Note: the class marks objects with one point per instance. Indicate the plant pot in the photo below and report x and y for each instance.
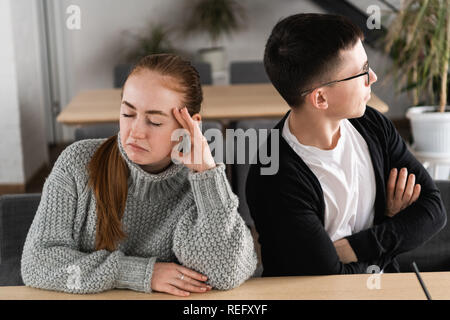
(215, 57)
(430, 130)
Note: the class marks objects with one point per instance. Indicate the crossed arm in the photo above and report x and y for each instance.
(402, 191)
(292, 236)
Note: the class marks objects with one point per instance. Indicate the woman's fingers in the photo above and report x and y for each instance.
(186, 286)
(188, 120)
(175, 291)
(179, 117)
(191, 273)
(197, 283)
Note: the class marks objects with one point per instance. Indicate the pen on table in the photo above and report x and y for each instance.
(416, 270)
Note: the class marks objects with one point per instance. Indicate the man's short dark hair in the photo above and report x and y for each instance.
(303, 49)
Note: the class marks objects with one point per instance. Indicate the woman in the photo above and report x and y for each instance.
(119, 213)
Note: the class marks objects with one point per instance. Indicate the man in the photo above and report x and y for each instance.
(348, 194)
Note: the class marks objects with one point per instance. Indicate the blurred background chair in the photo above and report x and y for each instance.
(204, 70)
(16, 215)
(248, 72)
(121, 72)
(240, 171)
(434, 255)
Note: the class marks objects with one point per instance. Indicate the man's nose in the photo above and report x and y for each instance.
(372, 76)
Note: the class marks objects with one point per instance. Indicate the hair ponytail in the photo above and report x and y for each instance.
(108, 178)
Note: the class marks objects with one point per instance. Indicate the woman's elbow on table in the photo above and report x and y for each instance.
(234, 276)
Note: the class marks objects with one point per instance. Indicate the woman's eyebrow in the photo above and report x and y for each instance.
(147, 112)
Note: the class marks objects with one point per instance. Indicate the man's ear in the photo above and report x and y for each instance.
(318, 99)
(197, 117)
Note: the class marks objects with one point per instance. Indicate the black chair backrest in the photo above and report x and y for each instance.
(240, 171)
(121, 72)
(248, 72)
(16, 215)
(205, 72)
(434, 255)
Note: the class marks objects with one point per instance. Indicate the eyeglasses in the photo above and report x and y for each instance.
(366, 72)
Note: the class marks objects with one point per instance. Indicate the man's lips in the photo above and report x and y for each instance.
(135, 146)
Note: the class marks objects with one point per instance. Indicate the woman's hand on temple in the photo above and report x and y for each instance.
(177, 280)
(199, 157)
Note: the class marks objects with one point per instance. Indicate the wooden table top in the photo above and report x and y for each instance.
(228, 102)
(393, 286)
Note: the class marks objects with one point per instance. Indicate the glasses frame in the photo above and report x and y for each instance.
(367, 72)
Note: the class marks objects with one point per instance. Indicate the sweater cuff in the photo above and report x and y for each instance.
(135, 273)
(212, 190)
(364, 245)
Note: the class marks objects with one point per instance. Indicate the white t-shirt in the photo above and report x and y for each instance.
(347, 179)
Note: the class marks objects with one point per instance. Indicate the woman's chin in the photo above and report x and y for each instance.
(136, 159)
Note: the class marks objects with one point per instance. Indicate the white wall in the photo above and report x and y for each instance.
(30, 85)
(11, 160)
(23, 147)
(92, 52)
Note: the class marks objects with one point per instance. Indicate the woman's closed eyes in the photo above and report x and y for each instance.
(148, 121)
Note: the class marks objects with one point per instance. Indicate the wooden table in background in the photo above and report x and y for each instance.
(393, 286)
(229, 102)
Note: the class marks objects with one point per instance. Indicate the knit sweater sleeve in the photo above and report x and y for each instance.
(52, 258)
(211, 237)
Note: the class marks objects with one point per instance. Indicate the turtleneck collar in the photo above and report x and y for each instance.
(146, 186)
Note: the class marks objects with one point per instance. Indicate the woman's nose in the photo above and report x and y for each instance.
(138, 129)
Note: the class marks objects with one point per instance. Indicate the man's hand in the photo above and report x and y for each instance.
(345, 251)
(401, 193)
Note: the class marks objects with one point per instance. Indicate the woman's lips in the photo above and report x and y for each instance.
(135, 147)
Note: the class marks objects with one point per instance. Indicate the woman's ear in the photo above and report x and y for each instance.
(197, 117)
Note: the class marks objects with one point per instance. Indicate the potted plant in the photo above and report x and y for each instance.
(217, 18)
(418, 40)
(156, 41)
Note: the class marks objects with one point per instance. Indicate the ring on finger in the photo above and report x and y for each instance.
(182, 276)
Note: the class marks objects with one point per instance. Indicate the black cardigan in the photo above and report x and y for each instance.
(288, 209)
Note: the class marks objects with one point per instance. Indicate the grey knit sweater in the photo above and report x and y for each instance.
(175, 216)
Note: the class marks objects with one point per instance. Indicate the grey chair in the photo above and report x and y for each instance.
(434, 255)
(16, 215)
(121, 72)
(204, 70)
(240, 171)
(95, 131)
(248, 72)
